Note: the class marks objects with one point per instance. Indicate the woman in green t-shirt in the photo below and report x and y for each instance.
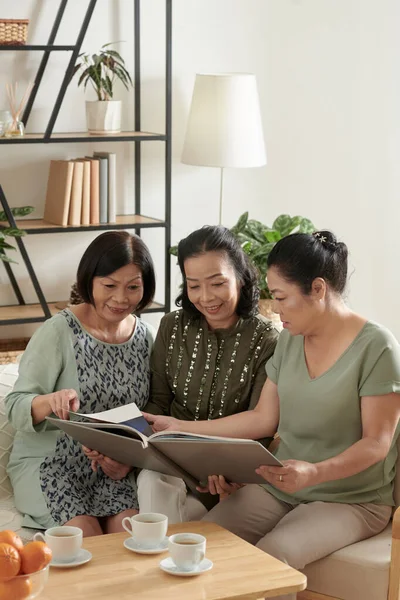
(332, 394)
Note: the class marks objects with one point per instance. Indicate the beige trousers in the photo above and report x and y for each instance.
(297, 534)
(168, 495)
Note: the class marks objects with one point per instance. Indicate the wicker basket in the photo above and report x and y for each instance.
(13, 32)
(11, 349)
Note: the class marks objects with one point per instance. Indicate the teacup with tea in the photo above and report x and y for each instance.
(187, 550)
(147, 529)
(65, 542)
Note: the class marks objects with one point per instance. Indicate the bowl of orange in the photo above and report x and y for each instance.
(24, 570)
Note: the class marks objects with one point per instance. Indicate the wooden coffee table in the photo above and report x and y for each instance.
(241, 572)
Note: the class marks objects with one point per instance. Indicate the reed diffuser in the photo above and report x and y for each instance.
(15, 127)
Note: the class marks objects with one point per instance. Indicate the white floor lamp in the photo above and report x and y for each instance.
(224, 127)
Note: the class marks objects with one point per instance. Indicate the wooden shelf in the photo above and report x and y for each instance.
(34, 313)
(38, 47)
(84, 136)
(38, 226)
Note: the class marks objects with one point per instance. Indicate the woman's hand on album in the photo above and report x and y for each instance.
(113, 469)
(61, 402)
(162, 423)
(292, 477)
(110, 467)
(93, 456)
(217, 485)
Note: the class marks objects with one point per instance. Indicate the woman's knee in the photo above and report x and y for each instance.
(287, 551)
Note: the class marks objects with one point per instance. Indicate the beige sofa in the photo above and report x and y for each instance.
(10, 518)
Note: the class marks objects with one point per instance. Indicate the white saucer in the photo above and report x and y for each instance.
(168, 565)
(83, 557)
(131, 544)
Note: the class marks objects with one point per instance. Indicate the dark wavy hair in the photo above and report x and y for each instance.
(215, 238)
(301, 257)
(109, 252)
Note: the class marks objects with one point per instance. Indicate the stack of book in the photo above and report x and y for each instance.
(82, 191)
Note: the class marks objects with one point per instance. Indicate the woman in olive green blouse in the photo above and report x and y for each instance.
(333, 395)
(209, 357)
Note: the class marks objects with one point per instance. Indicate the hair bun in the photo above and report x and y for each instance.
(326, 238)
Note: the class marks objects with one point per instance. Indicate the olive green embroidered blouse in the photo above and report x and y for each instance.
(198, 373)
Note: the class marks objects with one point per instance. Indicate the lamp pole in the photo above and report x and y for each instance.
(221, 191)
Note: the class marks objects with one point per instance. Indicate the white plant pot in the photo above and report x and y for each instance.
(103, 117)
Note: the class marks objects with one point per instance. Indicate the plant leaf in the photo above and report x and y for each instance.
(241, 224)
(174, 250)
(13, 232)
(6, 258)
(6, 245)
(284, 224)
(306, 226)
(272, 236)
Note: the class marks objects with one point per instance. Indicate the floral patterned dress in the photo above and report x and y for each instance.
(109, 375)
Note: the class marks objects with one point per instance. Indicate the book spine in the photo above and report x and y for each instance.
(76, 195)
(94, 192)
(85, 215)
(112, 187)
(103, 195)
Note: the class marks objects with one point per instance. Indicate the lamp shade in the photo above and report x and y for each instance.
(224, 127)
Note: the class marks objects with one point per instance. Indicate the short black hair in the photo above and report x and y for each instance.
(301, 257)
(109, 252)
(215, 238)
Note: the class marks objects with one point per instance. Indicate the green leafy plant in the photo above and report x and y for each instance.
(102, 70)
(12, 232)
(257, 240)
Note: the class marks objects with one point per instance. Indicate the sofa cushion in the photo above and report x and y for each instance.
(356, 572)
(8, 376)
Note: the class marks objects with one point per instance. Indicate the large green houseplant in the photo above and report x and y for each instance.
(11, 232)
(257, 240)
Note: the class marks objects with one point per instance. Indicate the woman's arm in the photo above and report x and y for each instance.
(379, 416)
(253, 424)
(33, 397)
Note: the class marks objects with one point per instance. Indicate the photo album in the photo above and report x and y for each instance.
(124, 434)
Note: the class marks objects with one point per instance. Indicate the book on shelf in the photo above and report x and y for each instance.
(103, 189)
(124, 435)
(58, 193)
(86, 180)
(94, 190)
(75, 207)
(111, 183)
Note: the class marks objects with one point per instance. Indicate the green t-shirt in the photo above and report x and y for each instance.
(321, 417)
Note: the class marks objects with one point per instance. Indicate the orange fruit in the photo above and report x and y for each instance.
(10, 537)
(18, 588)
(10, 560)
(35, 556)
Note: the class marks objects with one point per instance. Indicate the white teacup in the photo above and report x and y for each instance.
(187, 550)
(64, 542)
(148, 529)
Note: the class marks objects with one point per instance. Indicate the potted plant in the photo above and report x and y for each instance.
(102, 70)
(14, 232)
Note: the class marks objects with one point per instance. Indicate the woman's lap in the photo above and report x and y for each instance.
(297, 534)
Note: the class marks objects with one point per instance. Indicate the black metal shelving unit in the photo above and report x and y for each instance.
(22, 313)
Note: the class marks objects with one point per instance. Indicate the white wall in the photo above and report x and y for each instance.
(329, 91)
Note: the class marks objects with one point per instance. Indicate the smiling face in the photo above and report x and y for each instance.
(298, 312)
(117, 295)
(213, 288)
